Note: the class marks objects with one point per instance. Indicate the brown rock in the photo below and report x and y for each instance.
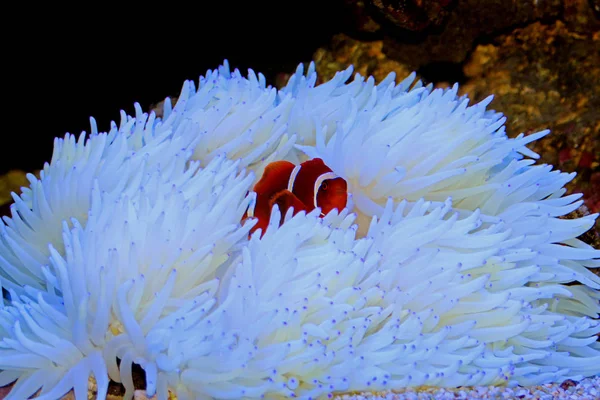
(419, 32)
(543, 76)
(591, 237)
(367, 58)
(582, 16)
(358, 18)
(567, 384)
(414, 15)
(595, 6)
(142, 395)
(11, 182)
(469, 21)
(547, 76)
(158, 108)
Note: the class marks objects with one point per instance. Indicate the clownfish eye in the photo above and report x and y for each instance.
(324, 185)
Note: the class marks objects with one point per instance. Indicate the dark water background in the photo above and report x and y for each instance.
(62, 66)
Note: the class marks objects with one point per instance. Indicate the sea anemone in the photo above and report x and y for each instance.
(450, 265)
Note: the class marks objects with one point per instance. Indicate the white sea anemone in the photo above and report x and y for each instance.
(142, 261)
(448, 267)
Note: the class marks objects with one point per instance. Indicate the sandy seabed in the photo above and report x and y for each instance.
(587, 389)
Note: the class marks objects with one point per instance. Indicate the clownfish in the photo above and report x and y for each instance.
(305, 187)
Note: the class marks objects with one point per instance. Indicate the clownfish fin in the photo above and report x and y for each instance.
(262, 213)
(274, 179)
(286, 199)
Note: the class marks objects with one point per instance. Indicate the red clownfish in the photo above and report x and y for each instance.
(306, 186)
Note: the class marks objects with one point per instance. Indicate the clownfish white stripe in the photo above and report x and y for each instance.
(319, 181)
(293, 176)
(251, 207)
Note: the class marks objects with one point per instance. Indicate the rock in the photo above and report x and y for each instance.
(582, 16)
(469, 21)
(12, 182)
(358, 18)
(595, 6)
(591, 237)
(367, 58)
(543, 76)
(547, 76)
(413, 15)
(158, 108)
